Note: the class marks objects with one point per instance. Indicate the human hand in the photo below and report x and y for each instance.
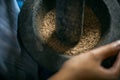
(87, 66)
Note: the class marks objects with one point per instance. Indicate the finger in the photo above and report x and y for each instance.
(113, 72)
(116, 66)
(106, 51)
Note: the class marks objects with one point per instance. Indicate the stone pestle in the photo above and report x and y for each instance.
(69, 20)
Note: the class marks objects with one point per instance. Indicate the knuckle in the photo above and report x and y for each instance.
(94, 56)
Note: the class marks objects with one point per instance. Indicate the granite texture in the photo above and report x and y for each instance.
(108, 12)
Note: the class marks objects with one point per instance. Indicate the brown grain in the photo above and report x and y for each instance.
(89, 39)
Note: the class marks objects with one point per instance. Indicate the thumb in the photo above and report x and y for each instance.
(116, 67)
(114, 72)
(106, 51)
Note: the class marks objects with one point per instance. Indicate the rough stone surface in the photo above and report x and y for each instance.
(107, 11)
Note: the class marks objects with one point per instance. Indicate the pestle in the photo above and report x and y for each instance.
(69, 20)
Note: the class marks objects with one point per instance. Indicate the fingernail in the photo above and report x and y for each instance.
(117, 44)
(118, 41)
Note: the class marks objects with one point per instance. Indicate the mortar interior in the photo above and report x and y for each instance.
(98, 7)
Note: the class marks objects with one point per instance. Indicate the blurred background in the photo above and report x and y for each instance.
(20, 3)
